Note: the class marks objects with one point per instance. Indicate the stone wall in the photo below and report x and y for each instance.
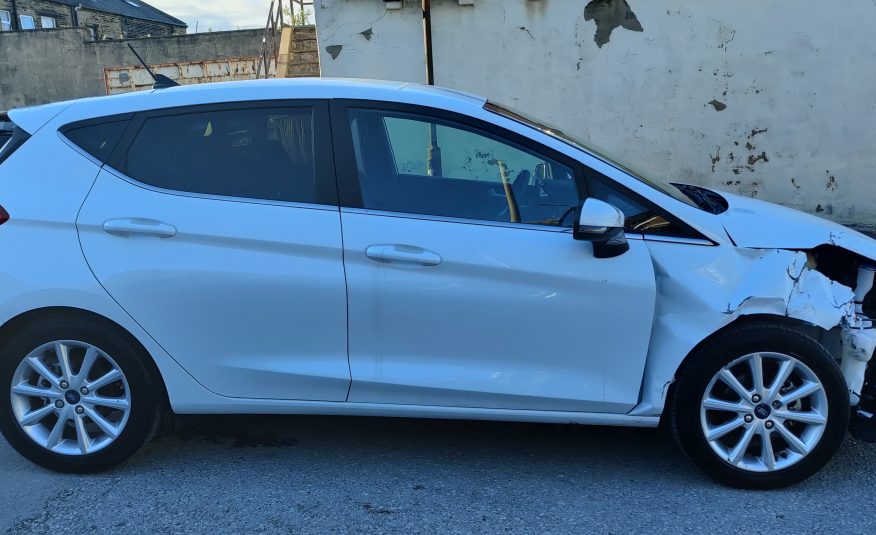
(104, 25)
(36, 8)
(299, 54)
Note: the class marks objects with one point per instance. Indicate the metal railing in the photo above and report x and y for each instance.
(273, 31)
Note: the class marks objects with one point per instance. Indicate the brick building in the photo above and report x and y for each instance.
(107, 19)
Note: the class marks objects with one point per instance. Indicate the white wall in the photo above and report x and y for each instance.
(797, 78)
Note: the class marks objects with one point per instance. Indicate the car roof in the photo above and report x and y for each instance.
(249, 90)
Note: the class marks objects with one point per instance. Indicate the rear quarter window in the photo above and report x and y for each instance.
(98, 139)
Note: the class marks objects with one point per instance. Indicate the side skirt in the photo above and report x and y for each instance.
(256, 406)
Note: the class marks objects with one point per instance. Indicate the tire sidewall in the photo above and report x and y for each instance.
(143, 390)
(706, 363)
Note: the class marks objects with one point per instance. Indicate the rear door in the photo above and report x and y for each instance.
(217, 229)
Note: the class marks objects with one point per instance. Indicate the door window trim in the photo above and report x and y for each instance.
(323, 148)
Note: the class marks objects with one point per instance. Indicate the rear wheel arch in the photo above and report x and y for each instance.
(8, 329)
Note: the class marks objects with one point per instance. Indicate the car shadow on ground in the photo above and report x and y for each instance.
(454, 444)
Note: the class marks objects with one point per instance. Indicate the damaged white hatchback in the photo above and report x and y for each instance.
(388, 249)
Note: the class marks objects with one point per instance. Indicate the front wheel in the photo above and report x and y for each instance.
(760, 406)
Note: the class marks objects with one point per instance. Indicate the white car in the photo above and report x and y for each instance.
(389, 249)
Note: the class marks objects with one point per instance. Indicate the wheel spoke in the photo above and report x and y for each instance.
(756, 365)
(714, 404)
(87, 362)
(741, 447)
(808, 417)
(105, 425)
(25, 389)
(730, 380)
(793, 440)
(37, 415)
(767, 455)
(82, 437)
(57, 431)
(113, 403)
(719, 431)
(785, 369)
(62, 352)
(806, 389)
(45, 373)
(107, 378)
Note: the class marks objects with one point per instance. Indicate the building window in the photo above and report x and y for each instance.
(48, 22)
(5, 21)
(26, 22)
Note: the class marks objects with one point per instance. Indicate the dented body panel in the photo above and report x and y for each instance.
(765, 270)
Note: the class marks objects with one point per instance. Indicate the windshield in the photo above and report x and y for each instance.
(659, 185)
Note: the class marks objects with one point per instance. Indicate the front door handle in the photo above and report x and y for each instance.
(139, 227)
(405, 254)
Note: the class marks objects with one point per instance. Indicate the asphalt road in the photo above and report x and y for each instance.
(339, 475)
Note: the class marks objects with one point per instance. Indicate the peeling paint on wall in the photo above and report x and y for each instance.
(610, 14)
(334, 50)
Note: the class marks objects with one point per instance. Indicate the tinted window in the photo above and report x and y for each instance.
(414, 164)
(253, 153)
(98, 140)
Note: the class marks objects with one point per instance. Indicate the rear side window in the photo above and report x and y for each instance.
(98, 140)
(252, 153)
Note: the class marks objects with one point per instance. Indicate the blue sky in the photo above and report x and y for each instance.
(217, 14)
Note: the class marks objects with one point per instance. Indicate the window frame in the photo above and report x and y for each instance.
(349, 188)
(324, 161)
(8, 21)
(50, 17)
(350, 194)
(21, 23)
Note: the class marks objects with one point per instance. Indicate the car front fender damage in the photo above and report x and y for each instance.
(703, 289)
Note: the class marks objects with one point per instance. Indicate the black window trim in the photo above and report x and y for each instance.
(324, 159)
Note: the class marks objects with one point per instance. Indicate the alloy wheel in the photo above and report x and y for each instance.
(70, 397)
(764, 412)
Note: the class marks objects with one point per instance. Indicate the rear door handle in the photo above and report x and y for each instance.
(405, 254)
(139, 227)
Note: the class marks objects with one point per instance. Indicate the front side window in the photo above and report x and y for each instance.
(252, 153)
(416, 164)
(26, 22)
(5, 21)
(48, 22)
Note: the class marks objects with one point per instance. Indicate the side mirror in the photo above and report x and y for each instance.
(603, 225)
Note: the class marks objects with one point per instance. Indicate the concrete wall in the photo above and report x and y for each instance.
(49, 65)
(769, 99)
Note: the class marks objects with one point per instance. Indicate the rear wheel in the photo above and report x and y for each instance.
(81, 397)
(760, 406)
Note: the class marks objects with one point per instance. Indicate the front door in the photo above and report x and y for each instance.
(217, 230)
(465, 287)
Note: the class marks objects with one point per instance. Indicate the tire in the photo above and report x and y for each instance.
(129, 428)
(777, 348)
